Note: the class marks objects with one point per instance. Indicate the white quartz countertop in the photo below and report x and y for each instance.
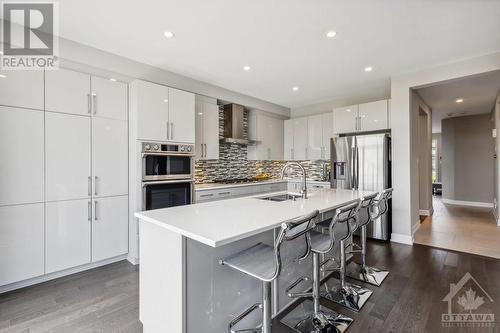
(222, 222)
(215, 186)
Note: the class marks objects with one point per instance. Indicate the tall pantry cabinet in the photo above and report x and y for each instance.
(75, 144)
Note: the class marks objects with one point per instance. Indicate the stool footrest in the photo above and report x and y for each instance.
(241, 316)
(329, 269)
(354, 252)
(295, 284)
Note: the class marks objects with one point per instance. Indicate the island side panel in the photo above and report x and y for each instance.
(162, 277)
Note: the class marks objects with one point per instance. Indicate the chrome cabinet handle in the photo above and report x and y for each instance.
(291, 153)
(94, 103)
(205, 146)
(95, 210)
(168, 133)
(206, 195)
(89, 104)
(89, 211)
(171, 131)
(89, 186)
(95, 185)
(224, 193)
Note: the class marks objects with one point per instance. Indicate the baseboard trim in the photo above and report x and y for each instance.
(426, 212)
(402, 239)
(55, 275)
(133, 260)
(414, 228)
(468, 203)
(498, 222)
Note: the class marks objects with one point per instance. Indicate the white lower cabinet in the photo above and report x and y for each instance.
(21, 242)
(109, 227)
(68, 232)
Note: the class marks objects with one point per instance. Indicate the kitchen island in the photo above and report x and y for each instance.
(183, 289)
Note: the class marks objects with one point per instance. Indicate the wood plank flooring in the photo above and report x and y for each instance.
(410, 300)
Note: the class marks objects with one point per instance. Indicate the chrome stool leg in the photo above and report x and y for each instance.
(346, 294)
(310, 315)
(362, 272)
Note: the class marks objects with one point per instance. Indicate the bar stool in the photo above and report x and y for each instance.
(346, 294)
(310, 316)
(264, 263)
(375, 208)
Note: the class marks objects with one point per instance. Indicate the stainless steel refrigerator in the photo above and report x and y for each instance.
(364, 162)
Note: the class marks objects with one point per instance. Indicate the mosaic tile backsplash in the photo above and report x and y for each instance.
(233, 163)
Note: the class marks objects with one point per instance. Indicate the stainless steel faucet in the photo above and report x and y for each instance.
(303, 192)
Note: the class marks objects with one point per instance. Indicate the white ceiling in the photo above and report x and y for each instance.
(284, 41)
(478, 93)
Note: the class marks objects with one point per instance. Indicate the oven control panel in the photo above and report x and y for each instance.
(155, 147)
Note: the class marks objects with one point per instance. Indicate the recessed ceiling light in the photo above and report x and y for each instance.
(459, 100)
(295, 88)
(168, 34)
(3, 76)
(348, 110)
(112, 79)
(331, 34)
(246, 68)
(1, 52)
(165, 100)
(368, 69)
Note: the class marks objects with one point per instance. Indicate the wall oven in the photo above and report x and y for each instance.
(167, 175)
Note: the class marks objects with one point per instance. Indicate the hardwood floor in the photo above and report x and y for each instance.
(410, 299)
(464, 229)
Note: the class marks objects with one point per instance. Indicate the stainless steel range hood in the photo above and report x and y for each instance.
(234, 126)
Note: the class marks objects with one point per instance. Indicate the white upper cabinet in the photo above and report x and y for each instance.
(151, 103)
(109, 98)
(109, 227)
(315, 137)
(22, 89)
(181, 116)
(67, 161)
(373, 116)
(345, 119)
(288, 140)
(22, 148)
(207, 129)
(300, 134)
(68, 91)
(328, 133)
(68, 234)
(21, 242)
(269, 132)
(163, 114)
(109, 157)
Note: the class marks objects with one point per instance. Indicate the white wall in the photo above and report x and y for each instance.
(405, 207)
(496, 117)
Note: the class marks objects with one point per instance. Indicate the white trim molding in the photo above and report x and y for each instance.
(498, 222)
(402, 239)
(467, 203)
(414, 228)
(426, 212)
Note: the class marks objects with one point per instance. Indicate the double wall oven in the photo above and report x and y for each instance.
(167, 175)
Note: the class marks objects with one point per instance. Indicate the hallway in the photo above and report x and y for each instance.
(465, 229)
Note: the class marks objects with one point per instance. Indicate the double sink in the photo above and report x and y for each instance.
(281, 197)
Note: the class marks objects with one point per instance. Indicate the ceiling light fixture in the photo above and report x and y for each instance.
(168, 34)
(459, 100)
(348, 110)
(295, 88)
(368, 69)
(3, 76)
(246, 68)
(165, 100)
(331, 34)
(112, 79)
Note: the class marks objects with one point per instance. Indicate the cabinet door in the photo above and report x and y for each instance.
(315, 137)
(152, 110)
(300, 139)
(109, 157)
(345, 119)
(68, 227)
(211, 130)
(109, 228)
(109, 98)
(288, 140)
(21, 242)
(22, 89)
(274, 137)
(67, 161)
(198, 125)
(327, 134)
(22, 150)
(373, 116)
(67, 91)
(181, 116)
